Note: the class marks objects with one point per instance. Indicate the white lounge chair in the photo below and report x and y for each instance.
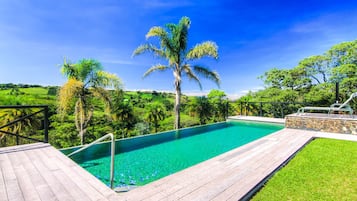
(336, 107)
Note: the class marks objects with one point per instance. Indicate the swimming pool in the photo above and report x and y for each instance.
(145, 159)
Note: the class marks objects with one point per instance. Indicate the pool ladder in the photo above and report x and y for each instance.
(112, 153)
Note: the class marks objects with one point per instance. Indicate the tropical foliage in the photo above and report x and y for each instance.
(131, 114)
(86, 80)
(311, 82)
(173, 40)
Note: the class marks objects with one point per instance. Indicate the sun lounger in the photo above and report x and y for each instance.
(336, 107)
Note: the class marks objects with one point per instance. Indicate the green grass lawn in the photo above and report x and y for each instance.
(324, 170)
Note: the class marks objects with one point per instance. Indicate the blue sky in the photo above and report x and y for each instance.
(253, 37)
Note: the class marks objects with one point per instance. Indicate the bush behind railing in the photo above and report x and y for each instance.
(268, 109)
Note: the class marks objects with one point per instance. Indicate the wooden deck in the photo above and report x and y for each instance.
(40, 172)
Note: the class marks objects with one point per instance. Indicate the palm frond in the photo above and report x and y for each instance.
(149, 48)
(205, 72)
(171, 27)
(104, 79)
(185, 21)
(87, 69)
(67, 93)
(69, 70)
(191, 75)
(156, 31)
(163, 36)
(104, 95)
(157, 67)
(182, 34)
(207, 48)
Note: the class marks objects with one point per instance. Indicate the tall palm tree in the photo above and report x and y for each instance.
(86, 80)
(173, 48)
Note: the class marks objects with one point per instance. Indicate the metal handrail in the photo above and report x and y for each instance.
(112, 153)
(45, 121)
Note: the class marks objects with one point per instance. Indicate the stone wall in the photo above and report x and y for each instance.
(345, 124)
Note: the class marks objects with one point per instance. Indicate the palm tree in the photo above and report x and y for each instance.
(155, 113)
(86, 80)
(173, 48)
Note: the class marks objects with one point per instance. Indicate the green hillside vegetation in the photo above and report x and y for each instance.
(129, 116)
(27, 96)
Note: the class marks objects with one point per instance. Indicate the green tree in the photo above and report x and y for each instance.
(346, 75)
(155, 112)
(343, 53)
(295, 78)
(316, 67)
(86, 80)
(173, 48)
(219, 102)
(201, 107)
(274, 78)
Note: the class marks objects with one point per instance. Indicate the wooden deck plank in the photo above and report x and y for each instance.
(3, 194)
(13, 189)
(37, 180)
(229, 177)
(96, 188)
(49, 177)
(82, 187)
(19, 163)
(263, 167)
(61, 174)
(223, 177)
(93, 185)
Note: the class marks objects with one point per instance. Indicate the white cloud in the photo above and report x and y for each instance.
(151, 90)
(195, 93)
(236, 95)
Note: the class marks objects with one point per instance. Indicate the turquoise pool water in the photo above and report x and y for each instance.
(144, 165)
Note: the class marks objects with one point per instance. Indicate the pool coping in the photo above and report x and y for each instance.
(258, 119)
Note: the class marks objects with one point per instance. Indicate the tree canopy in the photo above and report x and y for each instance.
(314, 78)
(173, 40)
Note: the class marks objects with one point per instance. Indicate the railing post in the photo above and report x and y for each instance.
(261, 109)
(282, 110)
(247, 109)
(17, 138)
(46, 124)
(227, 109)
(241, 108)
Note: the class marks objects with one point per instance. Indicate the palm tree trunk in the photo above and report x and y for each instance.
(79, 118)
(177, 101)
(81, 131)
